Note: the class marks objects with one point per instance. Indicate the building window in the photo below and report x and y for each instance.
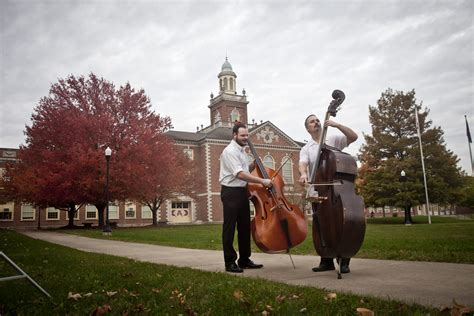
(179, 206)
(130, 210)
(231, 80)
(217, 117)
(269, 162)
(76, 215)
(91, 212)
(6, 212)
(27, 212)
(287, 170)
(225, 84)
(189, 152)
(146, 212)
(234, 115)
(52, 214)
(113, 210)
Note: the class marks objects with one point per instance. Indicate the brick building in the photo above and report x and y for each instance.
(205, 146)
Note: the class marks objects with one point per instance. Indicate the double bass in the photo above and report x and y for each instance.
(338, 212)
(278, 225)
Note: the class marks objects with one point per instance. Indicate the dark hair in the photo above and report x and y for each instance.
(237, 125)
(306, 120)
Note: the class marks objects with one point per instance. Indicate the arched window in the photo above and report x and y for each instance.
(234, 115)
(217, 117)
(231, 80)
(287, 170)
(269, 162)
(225, 84)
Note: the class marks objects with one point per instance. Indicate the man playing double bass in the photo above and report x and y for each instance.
(307, 159)
(234, 176)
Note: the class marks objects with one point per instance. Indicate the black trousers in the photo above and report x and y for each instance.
(236, 214)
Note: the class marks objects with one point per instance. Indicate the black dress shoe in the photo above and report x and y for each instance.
(234, 268)
(250, 265)
(323, 267)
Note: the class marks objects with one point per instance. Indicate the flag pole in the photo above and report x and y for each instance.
(423, 165)
(469, 141)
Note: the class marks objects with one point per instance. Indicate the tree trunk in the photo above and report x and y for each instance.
(408, 220)
(154, 210)
(39, 217)
(155, 221)
(71, 212)
(100, 211)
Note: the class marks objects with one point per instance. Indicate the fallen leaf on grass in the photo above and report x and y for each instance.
(156, 290)
(303, 310)
(361, 311)
(238, 295)
(330, 296)
(139, 308)
(75, 296)
(280, 298)
(87, 294)
(459, 310)
(111, 293)
(101, 310)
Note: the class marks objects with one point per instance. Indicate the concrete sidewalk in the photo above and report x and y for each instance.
(427, 283)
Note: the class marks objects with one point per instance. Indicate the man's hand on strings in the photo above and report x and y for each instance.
(331, 123)
(303, 179)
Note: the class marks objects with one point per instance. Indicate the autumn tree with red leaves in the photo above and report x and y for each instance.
(166, 175)
(62, 164)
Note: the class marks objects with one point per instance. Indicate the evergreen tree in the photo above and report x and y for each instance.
(394, 146)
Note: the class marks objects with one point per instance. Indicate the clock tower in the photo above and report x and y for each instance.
(228, 107)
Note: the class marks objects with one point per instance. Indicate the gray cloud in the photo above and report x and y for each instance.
(288, 55)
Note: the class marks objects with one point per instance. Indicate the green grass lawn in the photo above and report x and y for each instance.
(447, 239)
(129, 287)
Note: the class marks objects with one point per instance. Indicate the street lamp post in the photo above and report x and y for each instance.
(107, 229)
(403, 180)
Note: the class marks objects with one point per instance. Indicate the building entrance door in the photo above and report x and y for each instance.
(180, 212)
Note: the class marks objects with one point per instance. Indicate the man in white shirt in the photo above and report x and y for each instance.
(308, 157)
(234, 175)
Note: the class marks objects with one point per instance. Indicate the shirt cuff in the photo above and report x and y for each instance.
(236, 172)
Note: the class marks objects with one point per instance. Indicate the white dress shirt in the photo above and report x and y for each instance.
(233, 161)
(309, 151)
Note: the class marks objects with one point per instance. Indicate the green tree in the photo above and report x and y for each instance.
(394, 146)
(467, 199)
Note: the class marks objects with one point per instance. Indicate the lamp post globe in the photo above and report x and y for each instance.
(107, 229)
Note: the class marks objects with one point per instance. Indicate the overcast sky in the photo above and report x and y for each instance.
(288, 55)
